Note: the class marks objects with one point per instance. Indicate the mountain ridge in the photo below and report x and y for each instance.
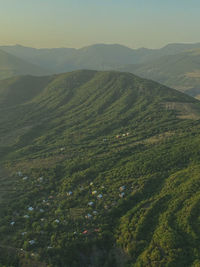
(11, 65)
(102, 169)
(180, 71)
(175, 65)
(68, 59)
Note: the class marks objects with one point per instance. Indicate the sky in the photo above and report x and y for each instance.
(78, 23)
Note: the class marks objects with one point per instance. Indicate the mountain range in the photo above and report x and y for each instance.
(98, 168)
(175, 65)
(11, 65)
(180, 71)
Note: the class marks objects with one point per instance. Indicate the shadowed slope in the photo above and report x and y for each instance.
(12, 66)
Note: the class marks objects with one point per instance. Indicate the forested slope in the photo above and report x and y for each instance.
(98, 169)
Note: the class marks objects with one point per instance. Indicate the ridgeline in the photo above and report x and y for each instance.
(98, 169)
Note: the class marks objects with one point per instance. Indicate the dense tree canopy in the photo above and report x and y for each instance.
(98, 169)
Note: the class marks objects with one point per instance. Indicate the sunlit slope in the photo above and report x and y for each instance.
(87, 103)
(110, 166)
(163, 229)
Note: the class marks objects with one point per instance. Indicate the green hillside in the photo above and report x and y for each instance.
(180, 71)
(98, 169)
(12, 66)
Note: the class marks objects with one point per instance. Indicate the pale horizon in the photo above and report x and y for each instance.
(76, 23)
(88, 45)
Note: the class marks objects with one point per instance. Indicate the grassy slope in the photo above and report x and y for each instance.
(156, 224)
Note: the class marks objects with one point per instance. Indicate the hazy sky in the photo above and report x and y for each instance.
(77, 23)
